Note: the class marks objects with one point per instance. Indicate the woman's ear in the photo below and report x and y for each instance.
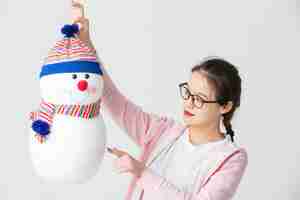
(227, 107)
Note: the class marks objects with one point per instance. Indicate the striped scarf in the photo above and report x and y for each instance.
(48, 110)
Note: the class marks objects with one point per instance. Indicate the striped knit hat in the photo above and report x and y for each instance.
(69, 55)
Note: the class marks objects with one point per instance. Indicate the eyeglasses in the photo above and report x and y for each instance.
(197, 100)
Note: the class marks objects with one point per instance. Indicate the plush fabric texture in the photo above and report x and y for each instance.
(69, 55)
(43, 119)
(68, 135)
(71, 67)
(83, 111)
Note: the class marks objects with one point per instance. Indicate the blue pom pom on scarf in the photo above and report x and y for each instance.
(41, 127)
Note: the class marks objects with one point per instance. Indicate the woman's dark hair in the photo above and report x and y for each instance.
(227, 83)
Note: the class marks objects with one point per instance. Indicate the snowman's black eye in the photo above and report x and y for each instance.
(86, 76)
(74, 76)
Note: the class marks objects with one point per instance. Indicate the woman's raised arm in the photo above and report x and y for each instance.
(129, 117)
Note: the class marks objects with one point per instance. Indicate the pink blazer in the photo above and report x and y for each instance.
(225, 166)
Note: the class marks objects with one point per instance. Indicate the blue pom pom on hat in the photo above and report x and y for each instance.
(70, 30)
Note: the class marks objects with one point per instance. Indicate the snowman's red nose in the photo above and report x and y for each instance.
(82, 85)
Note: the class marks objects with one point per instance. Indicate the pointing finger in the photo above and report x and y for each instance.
(116, 152)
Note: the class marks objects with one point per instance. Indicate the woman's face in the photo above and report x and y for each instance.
(209, 113)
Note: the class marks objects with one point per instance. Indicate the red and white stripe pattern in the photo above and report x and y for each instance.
(34, 115)
(46, 112)
(69, 49)
(83, 111)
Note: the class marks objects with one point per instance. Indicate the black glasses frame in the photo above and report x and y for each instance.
(193, 96)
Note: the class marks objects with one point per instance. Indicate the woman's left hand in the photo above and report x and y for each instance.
(78, 17)
(126, 163)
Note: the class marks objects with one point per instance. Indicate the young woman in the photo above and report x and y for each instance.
(190, 161)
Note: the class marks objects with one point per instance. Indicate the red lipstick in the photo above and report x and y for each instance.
(187, 113)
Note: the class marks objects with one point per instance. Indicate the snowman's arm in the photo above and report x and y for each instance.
(130, 117)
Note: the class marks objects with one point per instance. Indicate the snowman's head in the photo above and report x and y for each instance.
(75, 82)
(71, 73)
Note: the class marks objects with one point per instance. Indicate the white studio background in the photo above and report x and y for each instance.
(149, 47)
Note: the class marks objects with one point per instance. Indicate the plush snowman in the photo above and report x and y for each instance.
(67, 137)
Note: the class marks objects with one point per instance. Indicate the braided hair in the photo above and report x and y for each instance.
(226, 80)
(227, 124)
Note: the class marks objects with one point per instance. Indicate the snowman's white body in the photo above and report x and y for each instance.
(74, 149)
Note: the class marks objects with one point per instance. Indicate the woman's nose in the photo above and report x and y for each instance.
(82, 85)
